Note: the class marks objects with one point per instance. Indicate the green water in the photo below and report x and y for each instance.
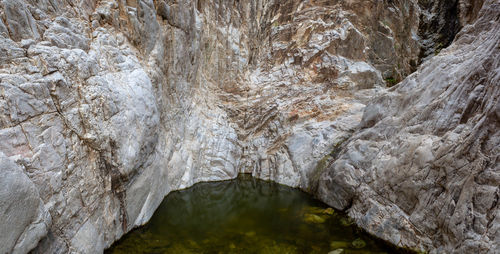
(246, 215)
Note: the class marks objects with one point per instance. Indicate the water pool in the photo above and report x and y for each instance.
(246, 215)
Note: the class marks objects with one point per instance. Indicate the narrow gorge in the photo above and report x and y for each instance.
(388, 110)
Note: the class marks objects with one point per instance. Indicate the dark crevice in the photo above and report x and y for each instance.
(439, 23)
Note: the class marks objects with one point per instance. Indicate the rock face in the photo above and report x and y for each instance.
(24, 218)
(106, 106)
(320, 63)
(103, 107)
(423, 170)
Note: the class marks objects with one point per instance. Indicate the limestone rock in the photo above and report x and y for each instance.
(107, 106)
(423, 169)
(24, 219)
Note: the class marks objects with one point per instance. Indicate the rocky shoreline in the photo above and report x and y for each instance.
(107, 106)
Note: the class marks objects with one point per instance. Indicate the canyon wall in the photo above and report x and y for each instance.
(423, 169)
(107, 106)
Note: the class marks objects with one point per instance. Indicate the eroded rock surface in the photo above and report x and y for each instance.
(103, 107)
(424, 169)
(24, 219)
(106, 106)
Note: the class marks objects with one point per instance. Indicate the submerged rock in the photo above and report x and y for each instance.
(329, 211)
(337, 251)
(358, 243)
(346, 222)
(313, 218)
(250, 234)
(339, 245)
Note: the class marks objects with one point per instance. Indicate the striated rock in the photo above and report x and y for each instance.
(107, 106)
(423, 169)
(321, 61)
(107, 116)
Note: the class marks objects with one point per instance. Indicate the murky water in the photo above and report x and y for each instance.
(246, 215)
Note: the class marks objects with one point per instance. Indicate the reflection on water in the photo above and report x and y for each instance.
(246, 215)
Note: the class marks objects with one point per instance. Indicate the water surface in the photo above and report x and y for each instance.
(246, 215)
